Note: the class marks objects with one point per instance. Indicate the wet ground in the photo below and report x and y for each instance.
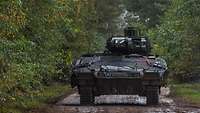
(123, 104)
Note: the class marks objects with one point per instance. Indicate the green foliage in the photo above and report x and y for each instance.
(39, 40)
(173, 27)
(38, 99)
(148, 11)
(108, 12)
(177, 38)
(189, 92)
(12, 18)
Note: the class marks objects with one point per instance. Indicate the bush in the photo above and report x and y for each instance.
(178, 37)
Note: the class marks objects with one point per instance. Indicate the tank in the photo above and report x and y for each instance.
(124, 68)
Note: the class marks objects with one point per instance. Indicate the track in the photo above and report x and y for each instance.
(121, 104)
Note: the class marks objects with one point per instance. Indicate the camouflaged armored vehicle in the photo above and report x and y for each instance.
(125, 68)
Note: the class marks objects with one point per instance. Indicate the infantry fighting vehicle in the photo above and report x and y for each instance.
(125, 68)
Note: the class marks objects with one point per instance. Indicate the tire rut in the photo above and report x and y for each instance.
(122, 104)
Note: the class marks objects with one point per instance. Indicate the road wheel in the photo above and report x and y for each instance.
(86, 96)
(152, 95)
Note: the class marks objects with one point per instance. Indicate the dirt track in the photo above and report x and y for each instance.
(122, 104)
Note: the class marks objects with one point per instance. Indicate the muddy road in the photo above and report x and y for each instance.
(122, 104)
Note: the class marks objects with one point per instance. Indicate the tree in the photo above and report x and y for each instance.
(39, 40)
(178, 37)
(108, 12)
(147, 11)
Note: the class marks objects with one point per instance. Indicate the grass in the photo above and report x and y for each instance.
(188, 92)
(38, 100)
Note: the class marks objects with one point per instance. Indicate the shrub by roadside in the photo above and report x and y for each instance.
(36, 100)
(187, 92)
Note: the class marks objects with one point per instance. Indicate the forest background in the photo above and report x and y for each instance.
(40, 38)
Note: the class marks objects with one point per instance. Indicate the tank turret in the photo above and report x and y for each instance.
(130, 43)
(130, 32)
